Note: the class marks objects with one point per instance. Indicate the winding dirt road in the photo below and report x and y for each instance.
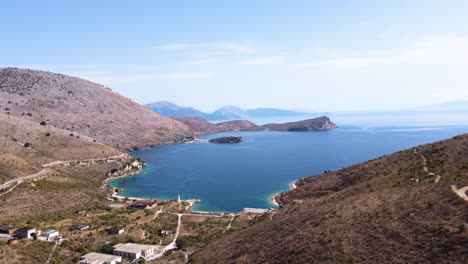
(46, 169)
(461, 192)
(28, 177)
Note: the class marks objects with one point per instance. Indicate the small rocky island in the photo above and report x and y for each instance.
(226, 140)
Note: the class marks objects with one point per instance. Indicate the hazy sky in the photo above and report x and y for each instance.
(314, 55)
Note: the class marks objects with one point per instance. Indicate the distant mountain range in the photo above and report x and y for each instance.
(228, 112)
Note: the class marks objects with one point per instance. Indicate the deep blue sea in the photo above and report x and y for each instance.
(230, 177)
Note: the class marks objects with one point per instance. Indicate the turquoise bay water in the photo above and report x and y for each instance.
(230, 177)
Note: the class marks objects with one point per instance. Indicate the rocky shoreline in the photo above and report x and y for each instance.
(292, 186)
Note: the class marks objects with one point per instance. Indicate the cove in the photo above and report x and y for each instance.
(230, 177)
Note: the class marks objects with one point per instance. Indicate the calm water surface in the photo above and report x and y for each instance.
(230, 177)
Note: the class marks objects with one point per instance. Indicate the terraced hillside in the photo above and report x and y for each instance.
(388, 210)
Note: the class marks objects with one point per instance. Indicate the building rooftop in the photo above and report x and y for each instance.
(24, 229)
(132, 248)
(5, 237)
(94, 257)
(48, 232)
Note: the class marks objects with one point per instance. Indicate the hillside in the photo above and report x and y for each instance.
(201, 126)
(387, 210)
(319, 123)
(47, 144)
(80, 106)
(198, 125)
(236, 125)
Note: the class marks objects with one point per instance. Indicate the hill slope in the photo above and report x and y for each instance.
(319, 123)
(81, 106)
(388, 210)
(201, 126)
(47, 144)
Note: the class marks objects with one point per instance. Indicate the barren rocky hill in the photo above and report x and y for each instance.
(236, 125)
(388, 210)
(198, 125)
(202, 126)
(80, 106)
(319, 123)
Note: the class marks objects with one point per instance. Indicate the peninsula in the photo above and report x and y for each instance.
(200, 126)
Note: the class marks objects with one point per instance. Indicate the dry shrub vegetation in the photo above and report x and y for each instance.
(82, 107)
(56, 195)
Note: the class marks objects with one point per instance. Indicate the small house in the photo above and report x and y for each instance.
(133, 251)
(8, 239)
(27, 233)
(99, 258)
(144, 205)
(49, 235)
(7, 230)
(79, 226)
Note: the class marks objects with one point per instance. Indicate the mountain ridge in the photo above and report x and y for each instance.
(227, 112)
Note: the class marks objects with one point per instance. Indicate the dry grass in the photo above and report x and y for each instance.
(56, 195)
(12, 166)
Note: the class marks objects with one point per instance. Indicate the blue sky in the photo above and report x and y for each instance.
(311, 55)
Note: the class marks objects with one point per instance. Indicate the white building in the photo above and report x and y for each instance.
(133, 251)
(99, 258)
(49, 235)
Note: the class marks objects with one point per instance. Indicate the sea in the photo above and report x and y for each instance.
(231, 177)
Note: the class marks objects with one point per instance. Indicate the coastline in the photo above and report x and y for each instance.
(292, 186)
(192, 202)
